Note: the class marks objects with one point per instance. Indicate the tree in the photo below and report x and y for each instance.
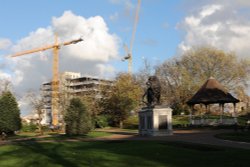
(5, 85)
(37, 103)
(10, 120)
(182, 77)
(123, 97)
(63, 101)
(77, 119)
(143, 74)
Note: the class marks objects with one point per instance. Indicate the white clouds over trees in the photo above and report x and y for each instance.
(218, 23)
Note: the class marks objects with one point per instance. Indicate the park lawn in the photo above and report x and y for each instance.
(56, 136)
(61, 137)
(235, 136)
(23, 135)
(120, 154)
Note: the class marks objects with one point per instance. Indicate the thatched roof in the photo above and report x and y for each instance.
(212, 92)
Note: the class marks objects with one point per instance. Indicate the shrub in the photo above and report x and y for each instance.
(77, 119)
(101, 121)
(29, 127)
(131, 122)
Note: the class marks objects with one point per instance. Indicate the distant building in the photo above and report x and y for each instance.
(30, 119)
(87, 86)
(71, 85)
(46, 90)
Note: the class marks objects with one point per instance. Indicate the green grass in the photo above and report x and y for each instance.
(235, 136)
(120, 154)
(23, 135)
(56, 136)
(94, 134)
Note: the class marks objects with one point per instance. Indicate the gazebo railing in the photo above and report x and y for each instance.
(207, 121)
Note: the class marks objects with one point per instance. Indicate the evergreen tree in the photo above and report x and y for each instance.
(10, 120)
(77, 118)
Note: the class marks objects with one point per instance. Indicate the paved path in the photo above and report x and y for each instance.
(191, 136)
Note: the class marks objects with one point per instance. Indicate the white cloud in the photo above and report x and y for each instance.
(105, 69)
(5, 43)
(90, 57)
(192, 21)
(209, 10)
(220, 24)
(4, 76)
(238, 3)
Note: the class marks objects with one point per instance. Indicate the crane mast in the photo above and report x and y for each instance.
(130, 62)
(55, 73)
(55, 84)
(129, 57)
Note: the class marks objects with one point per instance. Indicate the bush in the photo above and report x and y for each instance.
(46, 128)
(180, 120)
(131, 122)
(29, 127)
(178, 109)
(77, 119)
(101, 121)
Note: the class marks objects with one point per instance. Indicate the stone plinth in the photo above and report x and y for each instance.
(155, 121)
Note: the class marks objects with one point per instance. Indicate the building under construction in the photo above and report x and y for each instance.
(71, 85)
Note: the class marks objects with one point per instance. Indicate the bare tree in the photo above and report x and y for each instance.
(182, 77)
(144, 73)
(5, 85)
(37, 103)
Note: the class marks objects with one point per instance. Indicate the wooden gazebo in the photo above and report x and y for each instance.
(212, 92)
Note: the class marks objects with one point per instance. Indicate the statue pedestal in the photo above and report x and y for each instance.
(155, 121)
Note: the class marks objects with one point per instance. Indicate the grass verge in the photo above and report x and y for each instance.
(56, 136)
(235, 136)
(120, 154)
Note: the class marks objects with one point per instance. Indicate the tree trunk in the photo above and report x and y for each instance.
(121, 124)
(40, 125)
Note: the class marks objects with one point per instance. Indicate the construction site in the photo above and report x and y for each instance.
(69, 83)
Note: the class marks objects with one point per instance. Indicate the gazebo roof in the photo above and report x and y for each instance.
(212, 92)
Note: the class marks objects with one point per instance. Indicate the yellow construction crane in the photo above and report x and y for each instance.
(129, 50)
(55, 75)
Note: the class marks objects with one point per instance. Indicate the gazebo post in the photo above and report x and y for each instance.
(201, 118)
(207, 110)
(204, 119)
(222, 111)
(235, 114)
(200, 111)
(190, 114)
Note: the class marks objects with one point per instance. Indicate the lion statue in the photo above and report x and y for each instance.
(153, 92)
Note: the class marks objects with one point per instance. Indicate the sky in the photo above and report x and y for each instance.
(166, 29)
